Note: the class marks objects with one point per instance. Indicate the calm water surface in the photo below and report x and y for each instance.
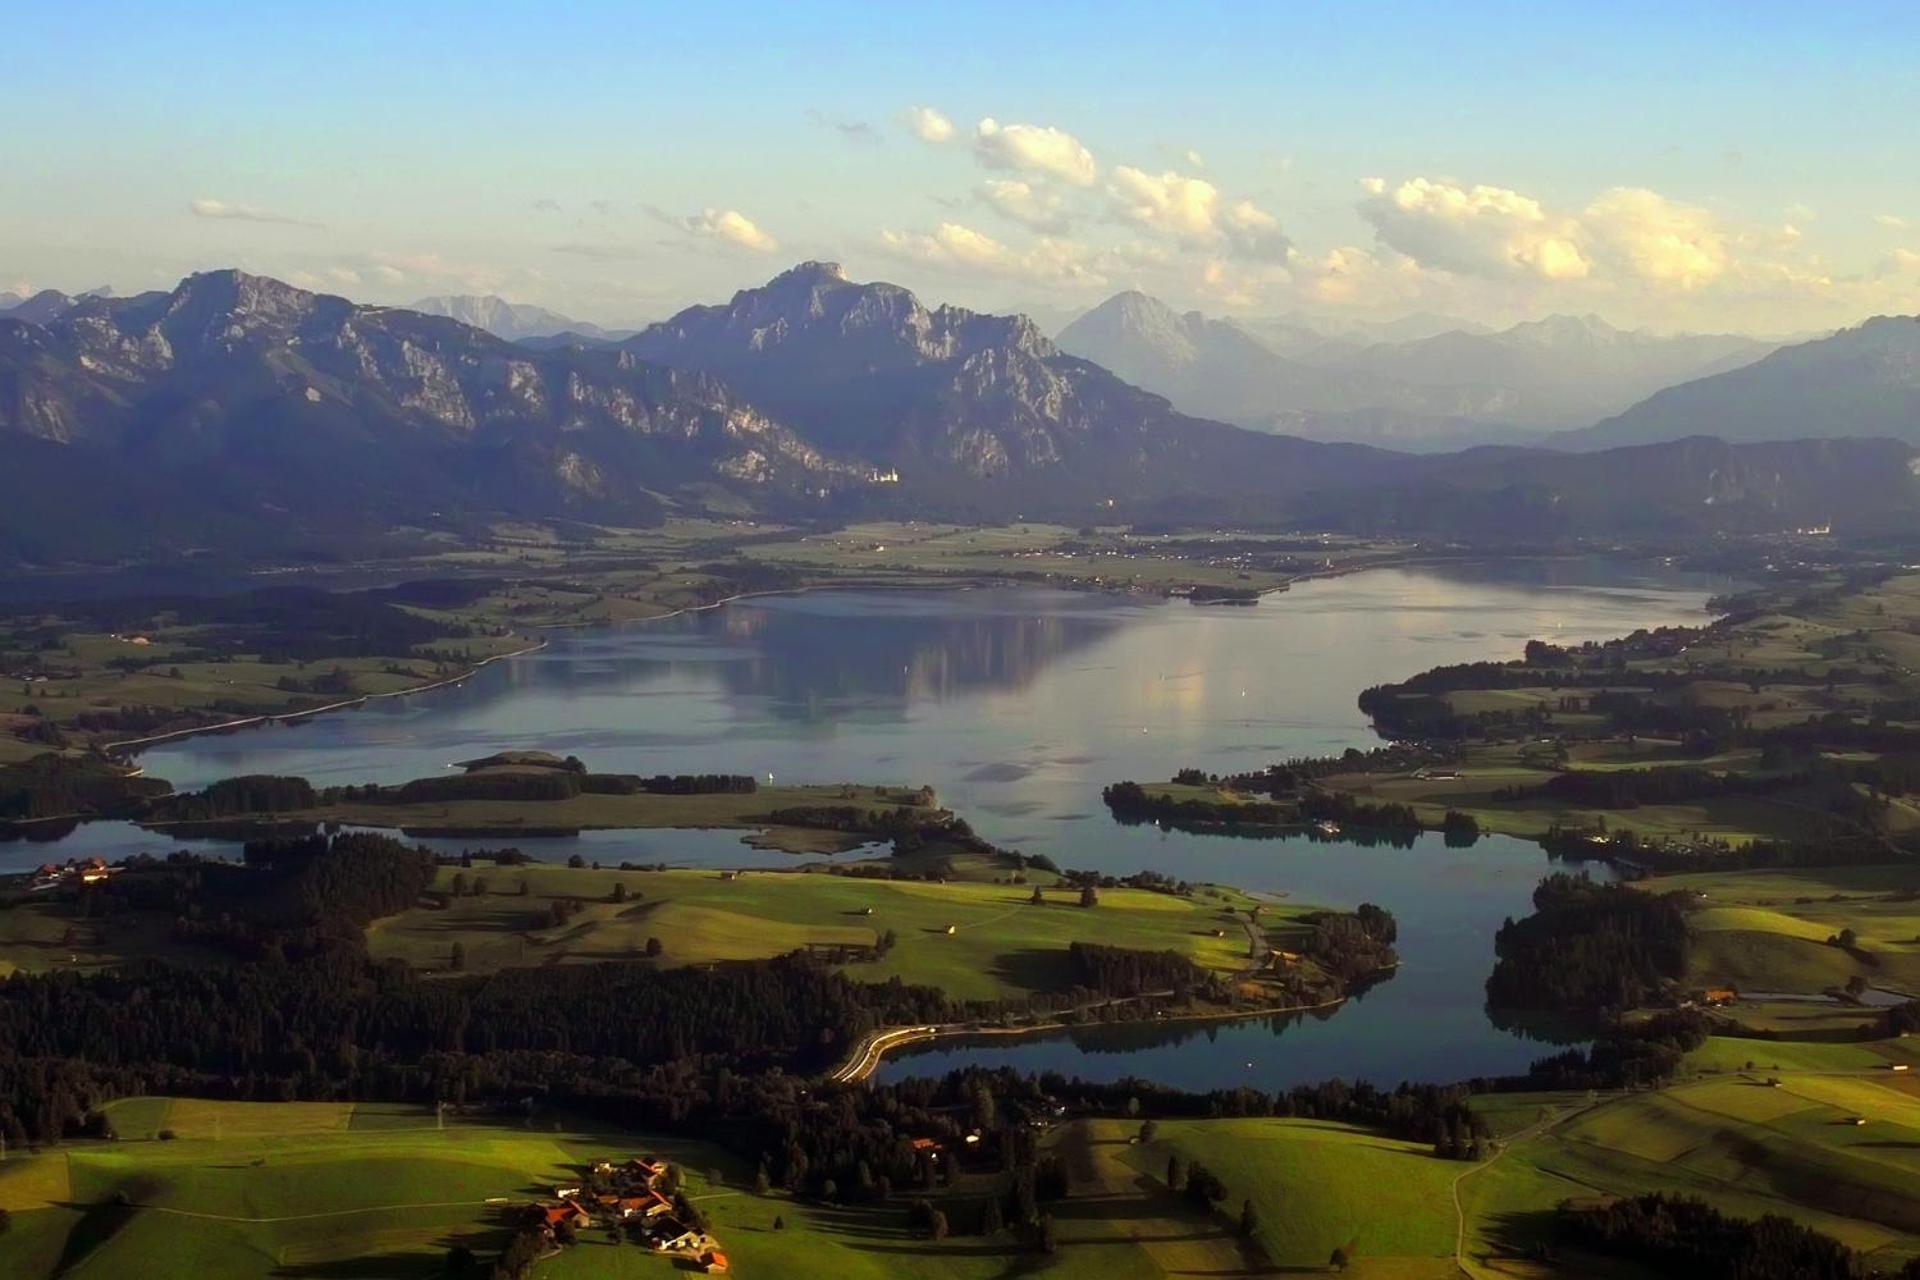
(1019, 705)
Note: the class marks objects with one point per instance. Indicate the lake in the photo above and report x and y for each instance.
(1019, 705)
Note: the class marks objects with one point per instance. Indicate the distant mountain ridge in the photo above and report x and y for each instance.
(1446, 390)
(513, 321)
(1863, 381)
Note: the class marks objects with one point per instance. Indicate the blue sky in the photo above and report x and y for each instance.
(1745, 166)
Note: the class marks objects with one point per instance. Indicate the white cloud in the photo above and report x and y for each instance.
(1193, 158)
(733, 227)
(1478, 230)
(207, 207)
(1901, 262)
(1169, 203)
(1033, 148)
(927, 124)
(1255, 233)
(1651, 237)
(1191, 209)
(1891, 221)
(954, 246)
(1031, 206)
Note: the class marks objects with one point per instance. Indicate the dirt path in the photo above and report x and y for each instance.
(1507, 1144)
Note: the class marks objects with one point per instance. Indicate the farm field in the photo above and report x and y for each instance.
(351, 1191)
(1317, 1185)
(1001, 945)
(1746, 1146)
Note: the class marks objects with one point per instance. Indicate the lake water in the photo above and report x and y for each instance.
(1019, 705)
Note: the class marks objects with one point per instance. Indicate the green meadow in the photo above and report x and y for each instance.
(1001, 944)
(1768, 930)
(1752, 1143)
(1319, 1185)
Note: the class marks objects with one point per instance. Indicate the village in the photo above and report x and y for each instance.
(640, 1197)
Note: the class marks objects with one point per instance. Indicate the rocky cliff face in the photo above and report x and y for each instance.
(869, 369)
(245, 373)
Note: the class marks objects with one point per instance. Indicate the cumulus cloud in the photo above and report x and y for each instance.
(957, 247)
(1033, 148)
(732, 227)
(1030, 206)
(1170, 203)
(1658, 240)
(207, 207)
(927, 124)
(1192, 209)
(1479, 230)
(1891, 221)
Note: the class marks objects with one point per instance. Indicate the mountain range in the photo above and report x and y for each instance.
(1439, 391)
(1863, 381)
(238, 412)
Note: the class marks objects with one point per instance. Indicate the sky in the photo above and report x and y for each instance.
(1748, 167)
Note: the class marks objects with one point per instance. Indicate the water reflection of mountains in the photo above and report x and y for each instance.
(803, 663)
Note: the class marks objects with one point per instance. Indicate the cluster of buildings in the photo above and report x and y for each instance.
(74, 871)
(632, 1196)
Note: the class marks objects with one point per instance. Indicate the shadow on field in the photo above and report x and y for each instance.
(1034, 969)
(396, 1264)
(1520, 1234)
(101, 1222)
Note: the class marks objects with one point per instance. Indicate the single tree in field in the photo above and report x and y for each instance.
(1038, 899)
(1249, 1222)
(654, 947)
(1339, 1258)
(1049, 1235)
(1176, 1176)
(1148, 1130)
(1089, 897)
(457, 958)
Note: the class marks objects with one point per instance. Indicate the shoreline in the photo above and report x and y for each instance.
(872, 1051)
(137, 745)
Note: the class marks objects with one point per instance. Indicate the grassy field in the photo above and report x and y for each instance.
(1768, 930)
(1749, 1147)
(1318, 1185)
(1002, 944)
(297, 1189)
(1489, 767)
(358, 1192)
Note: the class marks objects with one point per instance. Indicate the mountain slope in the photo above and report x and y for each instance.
(307, 408)
(978, 408)
(514, 321)
(1863, 381)
(1551, 373)
(1441, 391)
